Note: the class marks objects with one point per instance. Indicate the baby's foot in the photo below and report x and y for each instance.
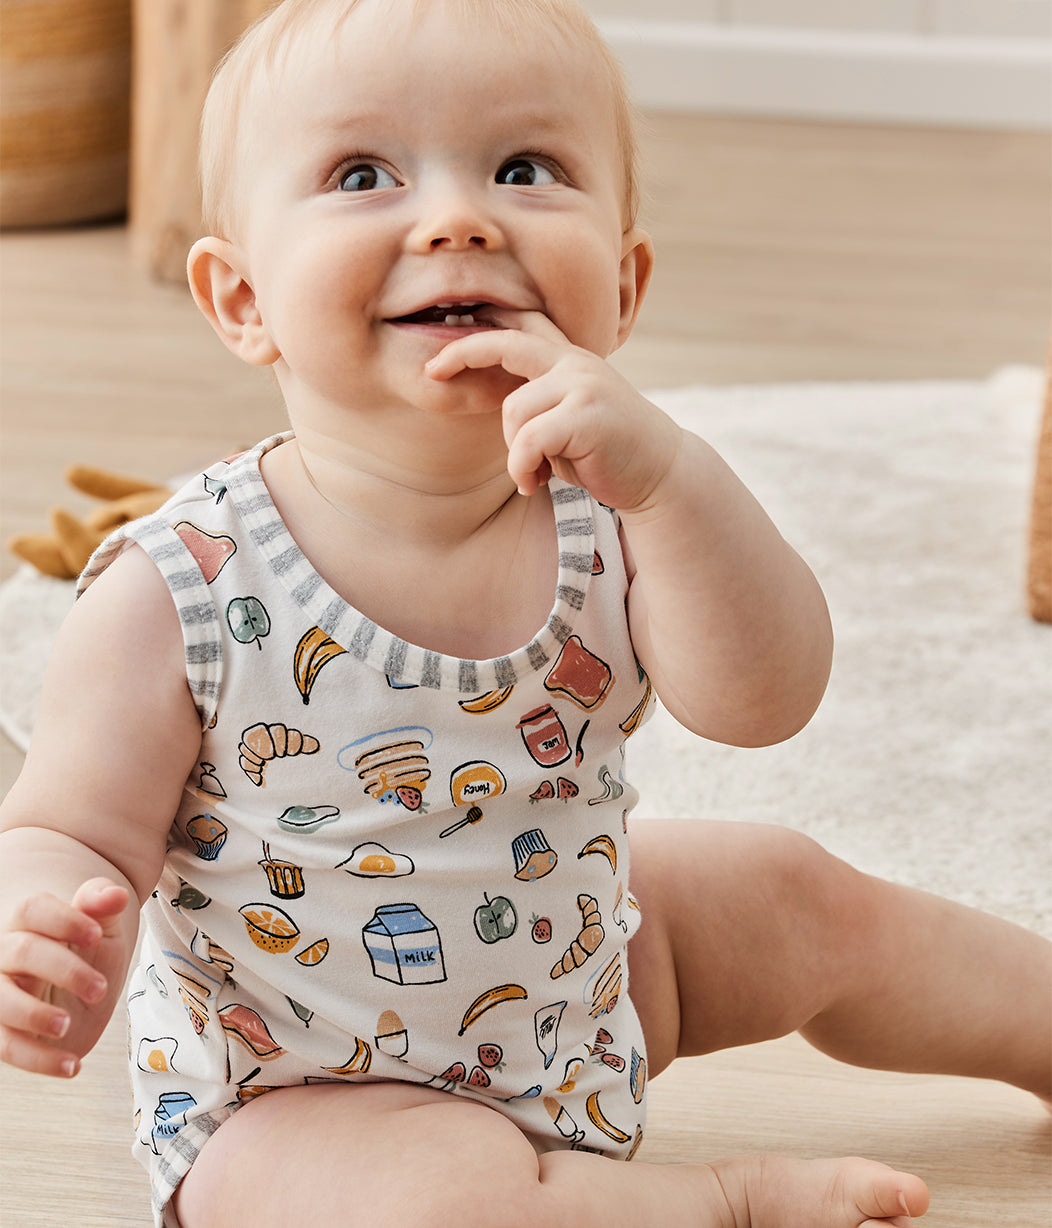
(780, 1192)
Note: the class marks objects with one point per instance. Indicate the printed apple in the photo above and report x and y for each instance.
(495, 919)
(248, 620)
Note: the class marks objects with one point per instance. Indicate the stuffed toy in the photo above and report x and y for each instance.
(65, 551)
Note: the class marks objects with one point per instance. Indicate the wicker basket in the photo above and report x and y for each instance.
(65, 82)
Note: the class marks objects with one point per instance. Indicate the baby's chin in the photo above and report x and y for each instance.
(469, 392)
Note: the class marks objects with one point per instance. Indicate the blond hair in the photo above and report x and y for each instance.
(266, 44)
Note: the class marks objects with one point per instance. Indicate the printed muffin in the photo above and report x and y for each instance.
(208, 834)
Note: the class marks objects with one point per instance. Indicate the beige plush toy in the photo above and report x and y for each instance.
(64, 552)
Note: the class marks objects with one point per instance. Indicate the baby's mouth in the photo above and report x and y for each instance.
(452, 315)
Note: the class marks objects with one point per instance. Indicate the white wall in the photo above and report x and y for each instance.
(968, 62)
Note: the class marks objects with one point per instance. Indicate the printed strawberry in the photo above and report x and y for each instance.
(613, 1061)
(567, 788)
(543, 791)
(491, 1055)
(542, 928)
(410, 798)
(457, 1073)
(603, 1037)
(478, 1078)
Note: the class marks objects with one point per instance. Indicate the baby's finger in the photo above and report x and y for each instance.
(530, 450)
(34, 1056)
(102, 900)
(518, 352)
(33, 958)
(25, 1014)
(54, 918)
(535, 323)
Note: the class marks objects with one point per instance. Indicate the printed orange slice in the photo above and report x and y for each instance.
(269, 928)
(315, 953)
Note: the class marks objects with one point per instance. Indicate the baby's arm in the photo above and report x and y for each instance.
(84, 829)
(726, 618)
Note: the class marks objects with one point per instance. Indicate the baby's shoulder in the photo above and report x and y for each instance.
(128, 609)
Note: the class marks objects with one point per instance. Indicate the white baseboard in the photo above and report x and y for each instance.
(849, 75)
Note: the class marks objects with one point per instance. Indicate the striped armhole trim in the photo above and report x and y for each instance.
(198, 618)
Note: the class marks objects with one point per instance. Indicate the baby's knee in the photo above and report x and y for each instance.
(828, 912)
(476, 1150)
(804, 877)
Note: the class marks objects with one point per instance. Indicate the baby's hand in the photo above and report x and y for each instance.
(58, 967)
(575, 416)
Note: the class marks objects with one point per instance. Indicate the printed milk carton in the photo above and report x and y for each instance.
(404, 946)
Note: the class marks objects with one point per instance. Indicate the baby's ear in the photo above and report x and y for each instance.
(216, 272)
(637, 263)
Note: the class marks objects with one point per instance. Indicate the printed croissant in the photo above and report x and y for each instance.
(587, 941)
(261, 743)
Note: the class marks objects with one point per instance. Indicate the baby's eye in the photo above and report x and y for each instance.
(525, 172)
(365, 177)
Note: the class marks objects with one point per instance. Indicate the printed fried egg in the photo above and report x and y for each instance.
(157, 1054)
(374, 861)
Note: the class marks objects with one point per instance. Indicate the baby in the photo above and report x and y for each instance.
(347, 716)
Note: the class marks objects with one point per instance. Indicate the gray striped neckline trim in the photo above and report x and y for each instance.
(405, 663)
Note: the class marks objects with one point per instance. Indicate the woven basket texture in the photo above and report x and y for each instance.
(65, 102)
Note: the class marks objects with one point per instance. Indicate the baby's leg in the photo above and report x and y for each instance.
(750, 932)
(388, 1155)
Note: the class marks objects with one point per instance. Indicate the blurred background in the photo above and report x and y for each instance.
(837, 190)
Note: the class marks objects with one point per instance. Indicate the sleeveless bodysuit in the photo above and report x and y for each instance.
(388, 863)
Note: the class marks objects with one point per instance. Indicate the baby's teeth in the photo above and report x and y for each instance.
(455, 319)
(452, 319)
(469, 319)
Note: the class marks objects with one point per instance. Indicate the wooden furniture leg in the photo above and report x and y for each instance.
(177, 44)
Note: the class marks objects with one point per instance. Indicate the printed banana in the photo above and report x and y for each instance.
(488, 1000)
(596, 1117)
(604, 846)
(632, 722)
(489, 702)
(359, 1061)
(314, 650)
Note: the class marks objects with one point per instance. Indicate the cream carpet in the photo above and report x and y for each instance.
(930, 761)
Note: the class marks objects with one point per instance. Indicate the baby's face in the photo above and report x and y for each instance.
(417, 178)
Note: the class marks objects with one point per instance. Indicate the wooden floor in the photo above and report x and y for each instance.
(787, 251)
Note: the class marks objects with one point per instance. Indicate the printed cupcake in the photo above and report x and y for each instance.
(208, 834)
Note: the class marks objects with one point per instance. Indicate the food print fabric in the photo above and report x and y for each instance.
(387, 863)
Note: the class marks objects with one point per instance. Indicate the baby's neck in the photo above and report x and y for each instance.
(412, 492)
(479, 558)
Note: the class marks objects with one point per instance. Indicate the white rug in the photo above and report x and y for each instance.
(930, 761)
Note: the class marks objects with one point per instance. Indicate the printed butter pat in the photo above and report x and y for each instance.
(404, 946)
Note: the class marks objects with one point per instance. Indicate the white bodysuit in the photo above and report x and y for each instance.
(388, 863)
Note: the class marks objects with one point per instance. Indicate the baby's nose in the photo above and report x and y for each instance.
(457, 222)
